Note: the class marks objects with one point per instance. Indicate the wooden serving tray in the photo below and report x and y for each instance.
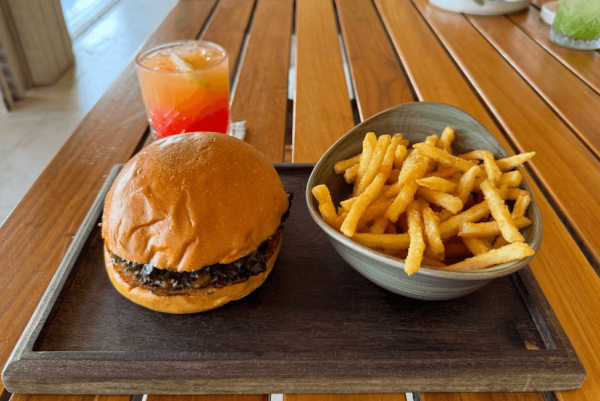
(315, 326)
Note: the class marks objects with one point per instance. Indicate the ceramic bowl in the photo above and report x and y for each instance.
(416, 121)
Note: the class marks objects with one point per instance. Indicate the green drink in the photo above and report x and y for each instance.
(577, 24)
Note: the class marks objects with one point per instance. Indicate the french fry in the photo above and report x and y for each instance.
(379, 225)
(376, 209)
(449, 228)
(466, 183)
(446, 140)
(432, 262)
(351, 174)
(507, 253)
(365, 160)
(400, 203)
(340, 210)
(393, 178)
(511, 179)
(492, 170)
(378, 154)
(400, 156)
(500, 212)
(431, 223)
(476, 245)
(437, 184)
(391, 229)
(415, 231)
(447, 201)
(364, 199)
(414, 168)
(429, 253)
(340, 219)
(445, 172)
(431, 140)
(503, 191)
(442, 157)
(343, 165)
(321, 193)
(500, 242)
(489, 228)
(520, 206)
(385, 241)
(514, 161)
(514, 193)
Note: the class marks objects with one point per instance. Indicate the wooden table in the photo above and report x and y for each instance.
(531, 94)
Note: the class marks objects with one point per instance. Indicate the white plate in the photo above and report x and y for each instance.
(496, 7)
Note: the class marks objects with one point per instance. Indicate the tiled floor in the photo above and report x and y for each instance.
(31, 134)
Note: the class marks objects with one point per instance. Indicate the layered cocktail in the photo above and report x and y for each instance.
(185, 87)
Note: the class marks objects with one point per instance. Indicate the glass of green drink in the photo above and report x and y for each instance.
(577, 24)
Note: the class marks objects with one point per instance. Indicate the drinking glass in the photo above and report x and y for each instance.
(185, 87)
(577, 24)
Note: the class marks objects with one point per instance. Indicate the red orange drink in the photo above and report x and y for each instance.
(185, 86)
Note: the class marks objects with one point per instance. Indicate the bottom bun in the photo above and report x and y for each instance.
(187, 303)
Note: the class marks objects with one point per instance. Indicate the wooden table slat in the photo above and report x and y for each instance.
(560, 267)
(52, 210)
(377, 78)
(570, 97)
(585, 64)
(227, 27)
(322, 112)
(261, 94)
(568, 170)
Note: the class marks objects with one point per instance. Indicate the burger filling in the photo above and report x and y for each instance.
(217, 275)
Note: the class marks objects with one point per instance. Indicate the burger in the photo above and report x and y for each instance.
(192, 222)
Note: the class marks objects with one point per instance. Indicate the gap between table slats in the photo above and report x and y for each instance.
(584, 64)
(573, 293)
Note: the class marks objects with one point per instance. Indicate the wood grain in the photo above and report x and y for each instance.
(568, 170)
(322, 112)
(586, 65)
(35, 237)
(228, 27)
(261, 93)
(568, 280)
(377, 78)
(570, 98)
(344, 397)
(53, 397)
(482, 397)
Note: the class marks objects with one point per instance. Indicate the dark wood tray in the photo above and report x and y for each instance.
(315, 326)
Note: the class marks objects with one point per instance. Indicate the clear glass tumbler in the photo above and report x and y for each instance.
(185, 86)
(577, 24)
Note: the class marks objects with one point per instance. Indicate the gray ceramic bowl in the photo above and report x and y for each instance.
(416, 121)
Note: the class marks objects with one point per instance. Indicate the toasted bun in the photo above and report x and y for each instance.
(193, 200)
(186, 303)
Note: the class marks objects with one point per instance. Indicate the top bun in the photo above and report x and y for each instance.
(192, 200)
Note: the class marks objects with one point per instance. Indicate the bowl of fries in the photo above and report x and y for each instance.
(422, 200)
